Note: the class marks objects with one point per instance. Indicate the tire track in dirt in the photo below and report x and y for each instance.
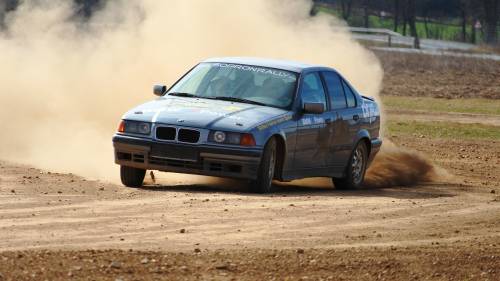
(224, 217)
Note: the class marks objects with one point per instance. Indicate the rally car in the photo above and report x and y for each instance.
(252, 119)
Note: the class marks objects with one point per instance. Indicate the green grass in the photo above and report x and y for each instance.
(450, 30)
(445, 130)
(478, 106)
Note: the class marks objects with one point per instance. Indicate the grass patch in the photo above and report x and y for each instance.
(446, 130)
(478, 106)
(446, 30)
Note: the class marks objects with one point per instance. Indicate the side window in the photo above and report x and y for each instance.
(312, 89)
(351, 99)
(335, 90)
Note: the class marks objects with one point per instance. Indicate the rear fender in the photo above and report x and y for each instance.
(363, 134)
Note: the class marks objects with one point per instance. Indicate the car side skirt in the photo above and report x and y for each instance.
(330, 172)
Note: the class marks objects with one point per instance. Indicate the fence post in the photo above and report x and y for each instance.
(389, 41)
(416, 42)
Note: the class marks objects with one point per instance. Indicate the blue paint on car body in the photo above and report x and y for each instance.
(252, 100)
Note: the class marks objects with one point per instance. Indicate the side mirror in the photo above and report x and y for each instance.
(159, 90)
(314, 108)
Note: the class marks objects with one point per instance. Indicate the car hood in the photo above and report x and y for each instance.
(203, 113)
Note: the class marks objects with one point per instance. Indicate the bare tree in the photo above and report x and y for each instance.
(491, 15)
(396, 15)
(411, 16)
(405, 16)
(366, 14)
(346, 6)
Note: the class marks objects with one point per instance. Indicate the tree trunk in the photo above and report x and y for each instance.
(491, 19)
(405, 16)
(426, 27)
(346, 8)
(396, 15)
(463, 12)
(366, 14)
(411, 20)
(473, 31)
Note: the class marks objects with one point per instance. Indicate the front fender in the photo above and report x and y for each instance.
(285, 131)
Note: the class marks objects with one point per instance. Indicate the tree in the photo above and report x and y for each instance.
(86, 7)
(366, 13)
(411, 17)
(491, 15)
(463, 14)
(6, 6)
(396, 15)
(346, 6)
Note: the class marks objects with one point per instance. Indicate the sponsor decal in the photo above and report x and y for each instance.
(370, 111)
(274, 122)
(312, 120)
(275, 72)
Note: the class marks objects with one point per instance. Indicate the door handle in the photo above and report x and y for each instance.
(355, 117)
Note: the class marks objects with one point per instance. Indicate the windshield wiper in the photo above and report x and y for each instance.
(179, 94)
(239, 100)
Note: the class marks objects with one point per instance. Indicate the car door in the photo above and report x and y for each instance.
(340, 133)
(311, 127)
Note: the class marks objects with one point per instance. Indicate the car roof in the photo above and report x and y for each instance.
(271, 63)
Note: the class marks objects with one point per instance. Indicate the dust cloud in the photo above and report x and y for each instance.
(396, 166)
(67, 81)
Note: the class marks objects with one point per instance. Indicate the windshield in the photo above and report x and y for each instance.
(235, 82)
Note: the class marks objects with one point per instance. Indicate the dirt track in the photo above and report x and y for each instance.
(152, 218)
(39, 210)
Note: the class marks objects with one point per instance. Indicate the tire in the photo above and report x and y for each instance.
(132, 177)
(355, 171)
(267, 167)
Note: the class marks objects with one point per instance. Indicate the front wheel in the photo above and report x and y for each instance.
(267, 167)
(356, 169)
(132, 177)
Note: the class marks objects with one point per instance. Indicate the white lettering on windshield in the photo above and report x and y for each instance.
(274, 72)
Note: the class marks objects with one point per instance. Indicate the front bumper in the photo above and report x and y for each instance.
(199, 159)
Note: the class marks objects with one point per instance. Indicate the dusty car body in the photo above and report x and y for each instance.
(253, 119)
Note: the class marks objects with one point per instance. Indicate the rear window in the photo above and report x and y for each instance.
(351, 99)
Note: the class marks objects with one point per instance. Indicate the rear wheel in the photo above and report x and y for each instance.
(356, 169)
(132, 177)
(267, 167)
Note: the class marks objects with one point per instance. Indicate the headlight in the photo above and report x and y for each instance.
(219, 137)
(231, 138)
(135, 127)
